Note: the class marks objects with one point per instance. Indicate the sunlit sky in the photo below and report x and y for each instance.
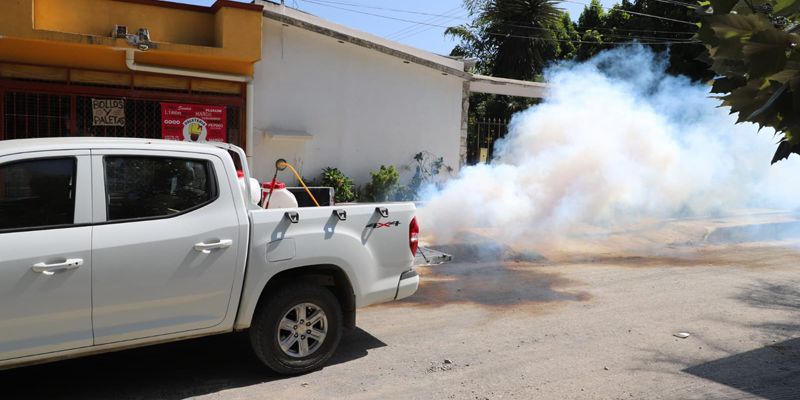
(399, 20)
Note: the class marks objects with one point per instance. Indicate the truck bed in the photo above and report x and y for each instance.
(355, 238)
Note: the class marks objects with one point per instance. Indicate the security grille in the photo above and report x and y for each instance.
(36, 115)
(481, 137)
(32, 115)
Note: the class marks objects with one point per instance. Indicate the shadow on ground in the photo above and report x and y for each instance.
(491, 284)
(776, 296)
(755, 233)
(471, 247)
(488, 273)
(782, 296)
(169, 371)
(771, 372)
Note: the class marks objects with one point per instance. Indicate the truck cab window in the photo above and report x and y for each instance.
(151, 187)
(37, 193)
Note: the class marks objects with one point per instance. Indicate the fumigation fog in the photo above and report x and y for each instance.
(616, 140)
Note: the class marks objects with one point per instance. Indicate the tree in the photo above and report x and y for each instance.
(593, 16)
(566, 36)
(512, 39)
(591, 44)
(601, 29)
(518, 39)
(752, 48)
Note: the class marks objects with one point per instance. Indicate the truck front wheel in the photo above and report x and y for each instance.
(297, 328)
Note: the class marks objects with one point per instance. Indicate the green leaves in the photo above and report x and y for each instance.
(742, 101)
(769, 104)
(384, 185)
(343, 187)
(787, 8)
(723, 6)
(767, 52)
(758, 65)
(785, 149)
(727, 84)
(734, 25)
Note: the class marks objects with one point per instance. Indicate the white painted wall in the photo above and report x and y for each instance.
(363, 108)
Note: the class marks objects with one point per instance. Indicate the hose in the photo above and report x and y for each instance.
(282, 164)
(271, 188)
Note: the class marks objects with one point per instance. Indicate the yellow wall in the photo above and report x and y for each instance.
(237, 28)
(165, 24)
(77, 33)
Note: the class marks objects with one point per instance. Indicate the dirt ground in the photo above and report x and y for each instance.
(590, 316)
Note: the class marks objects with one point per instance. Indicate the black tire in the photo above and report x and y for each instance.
(265, 331)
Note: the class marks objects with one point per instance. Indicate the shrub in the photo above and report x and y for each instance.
(343, 187)
(427, 166)
(384, 185)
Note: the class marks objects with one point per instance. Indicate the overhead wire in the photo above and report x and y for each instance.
(678, 3)
(429, 22)
(596, 42)
(400, 36)
(618, 29)
(444, 15)
(611, 30)
(415, 29)
(413, 33)
(447, 14)
(645, 31)
(515, 36)
(418, 30)
(634, 13)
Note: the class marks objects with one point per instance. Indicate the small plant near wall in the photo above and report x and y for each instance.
(345, 190)
(385, 184)
(427, 168)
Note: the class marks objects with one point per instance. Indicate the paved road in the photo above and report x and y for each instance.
(589, 317)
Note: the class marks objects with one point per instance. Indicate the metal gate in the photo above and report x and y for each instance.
(481, 137)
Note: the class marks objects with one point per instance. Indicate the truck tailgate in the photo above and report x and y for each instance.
(368, 242)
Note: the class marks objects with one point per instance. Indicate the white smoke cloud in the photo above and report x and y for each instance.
(617, 139)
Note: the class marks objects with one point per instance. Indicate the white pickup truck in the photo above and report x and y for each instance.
(107, 244)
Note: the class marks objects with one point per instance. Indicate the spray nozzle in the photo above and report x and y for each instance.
(281, 165)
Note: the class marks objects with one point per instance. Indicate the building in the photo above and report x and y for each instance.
(279, 82)
(328, 95)
(119, 67)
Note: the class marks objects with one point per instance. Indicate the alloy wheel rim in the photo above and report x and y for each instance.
(302, 330)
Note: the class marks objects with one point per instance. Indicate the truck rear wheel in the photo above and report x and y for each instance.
(297, 329)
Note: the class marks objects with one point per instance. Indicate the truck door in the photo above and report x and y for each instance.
(45, 253)
(166, 254)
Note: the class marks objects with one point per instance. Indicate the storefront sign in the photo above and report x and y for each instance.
(193, 122)
(108, 112)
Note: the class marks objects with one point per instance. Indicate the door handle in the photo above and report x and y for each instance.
(51, 269)
(206, 248)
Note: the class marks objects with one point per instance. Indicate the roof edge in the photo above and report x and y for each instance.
(191, 7)
(508, 87)
(299, 19)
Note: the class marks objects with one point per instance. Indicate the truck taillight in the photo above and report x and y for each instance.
(413, 236)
